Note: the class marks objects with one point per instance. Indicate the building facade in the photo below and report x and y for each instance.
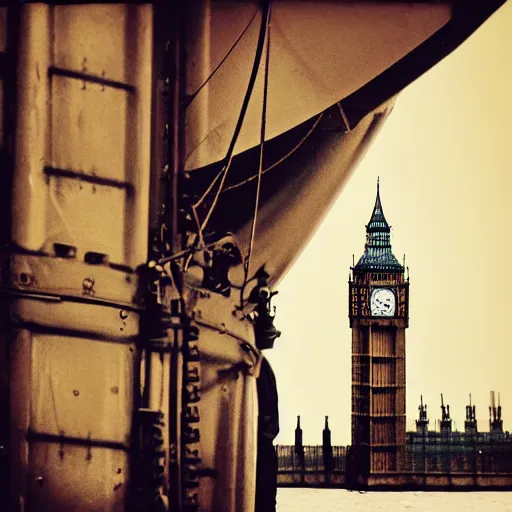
(382, 453)
(430, 459)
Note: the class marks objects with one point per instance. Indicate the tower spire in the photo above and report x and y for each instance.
(495, 421)
(327, 445)
(378, 222)
(377, 252)
(299, 448)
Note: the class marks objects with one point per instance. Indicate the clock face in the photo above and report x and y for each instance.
(382, 302)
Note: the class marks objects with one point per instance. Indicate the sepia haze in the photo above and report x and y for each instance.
(444, 158)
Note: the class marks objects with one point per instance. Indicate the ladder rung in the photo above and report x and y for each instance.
(95, 79)
(89, 178)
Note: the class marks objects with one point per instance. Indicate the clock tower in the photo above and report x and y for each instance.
(378, 312)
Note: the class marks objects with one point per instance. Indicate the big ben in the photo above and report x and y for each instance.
(378, 312)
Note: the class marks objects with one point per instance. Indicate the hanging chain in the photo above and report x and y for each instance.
(190, 438)
(184, 453)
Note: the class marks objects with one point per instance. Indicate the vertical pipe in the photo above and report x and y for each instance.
(20, 398)
(249, 436)
(29, 186)
(174, 118)
(139, 38)
(179, 19)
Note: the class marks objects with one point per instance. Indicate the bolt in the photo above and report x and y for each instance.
(26, 279)
(88, 285)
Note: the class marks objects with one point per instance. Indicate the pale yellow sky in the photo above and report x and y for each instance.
(444, 158)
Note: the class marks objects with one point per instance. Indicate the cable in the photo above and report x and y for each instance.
(262, 144)
(217, 195)
(344, 117)
(229, 155)
(191, 99)
(282, 159)
(275, 164)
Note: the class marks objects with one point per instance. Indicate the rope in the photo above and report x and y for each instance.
(192, 98)
(217, 195)
(344, 117)
(282, 159)
(229, 155)
(275, 164)
(262, 143)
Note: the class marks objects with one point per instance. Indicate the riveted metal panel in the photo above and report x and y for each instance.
(97, 481)
(29, 273)
(88, 212)
(89, 128)
(79, 228)
(82, 167)
(98, 322)
(228, 406)
(82, 33)
(81, 400)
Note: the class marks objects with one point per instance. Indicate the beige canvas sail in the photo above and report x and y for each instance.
(78, 128)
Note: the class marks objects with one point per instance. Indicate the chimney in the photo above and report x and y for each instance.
(495, 421)
(446, 421)
(422, 421)
(326, 446)
(470, 425)
(299, 448)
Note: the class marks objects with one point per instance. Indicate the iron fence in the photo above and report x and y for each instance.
(466, 455)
